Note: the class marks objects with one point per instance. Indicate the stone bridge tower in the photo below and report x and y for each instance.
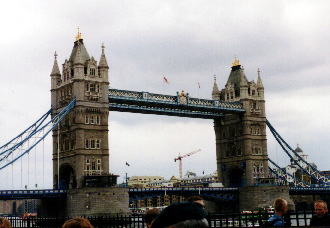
(241, 143)
(81, 144)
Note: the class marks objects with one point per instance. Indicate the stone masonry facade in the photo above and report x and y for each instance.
(241, 144)
(81, 144)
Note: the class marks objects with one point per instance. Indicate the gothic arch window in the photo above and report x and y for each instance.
(92, 144)
(232, 132)
(73, 144)
(92, 71)
(97, 120)
(239, 151)
(233, 151)
(92, 87)
(227, 153)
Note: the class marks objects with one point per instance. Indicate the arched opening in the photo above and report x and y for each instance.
(236, 178)
(67, 177)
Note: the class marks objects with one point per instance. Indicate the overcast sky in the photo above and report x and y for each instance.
(185, 41)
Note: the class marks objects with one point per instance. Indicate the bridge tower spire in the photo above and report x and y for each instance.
(81, 142)
(241, 145)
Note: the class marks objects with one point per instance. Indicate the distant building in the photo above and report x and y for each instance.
(295, 171)
(192, 180)
(143, 181)
(173, 182)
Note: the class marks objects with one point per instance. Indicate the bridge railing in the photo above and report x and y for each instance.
(179, 99)
(32, 194)
(236, 219)
(182, 189)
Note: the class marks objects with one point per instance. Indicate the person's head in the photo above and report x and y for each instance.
(150, 215)
(4, 223)
(196, 199)
(320, 208)
(184, 214)
(77, 223)
(280, 206)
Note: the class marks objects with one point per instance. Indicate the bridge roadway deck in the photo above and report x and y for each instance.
(230, 194)
(183, 106)
(31, 194)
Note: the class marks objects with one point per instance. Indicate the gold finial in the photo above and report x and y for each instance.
(236, 62)
(258, 72)
(78, 37)
(55, 55)
(215, 78)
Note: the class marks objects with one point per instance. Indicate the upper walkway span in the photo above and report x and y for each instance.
(180, 105)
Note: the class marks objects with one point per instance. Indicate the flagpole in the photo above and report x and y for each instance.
(199, 86)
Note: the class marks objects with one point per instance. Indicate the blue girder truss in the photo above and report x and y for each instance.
(315, 174)
(283, 175)
(216, 193)
(11, 152)
(31, 194)
(309, 191)
(179, 105)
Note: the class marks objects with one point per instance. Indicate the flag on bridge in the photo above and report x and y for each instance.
(199, 86)
(166, 81)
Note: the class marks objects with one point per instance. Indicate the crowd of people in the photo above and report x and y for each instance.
(191, 213)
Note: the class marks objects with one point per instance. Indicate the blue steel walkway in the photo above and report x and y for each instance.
(31, 194)
(180, 105)
(228, 194)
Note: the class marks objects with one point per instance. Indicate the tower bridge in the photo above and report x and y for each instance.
(80, 132)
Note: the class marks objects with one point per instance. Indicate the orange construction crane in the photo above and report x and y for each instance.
(180, 159)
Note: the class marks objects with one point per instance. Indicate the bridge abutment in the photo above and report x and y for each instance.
(97, 202)
(253, 197)
(87, 202)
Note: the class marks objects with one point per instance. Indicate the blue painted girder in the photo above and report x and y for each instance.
(226, 194)
(179, 105)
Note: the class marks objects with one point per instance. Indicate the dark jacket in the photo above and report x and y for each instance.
(324, 221)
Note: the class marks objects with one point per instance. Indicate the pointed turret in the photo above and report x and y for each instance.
(78, 59)
(259, 82)
(79, 44)
(55, 81)
(104, 70)
(215, 91)
(56, 69)
(260, 86)
(235, 77)
(243, 85)
(103, 60)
